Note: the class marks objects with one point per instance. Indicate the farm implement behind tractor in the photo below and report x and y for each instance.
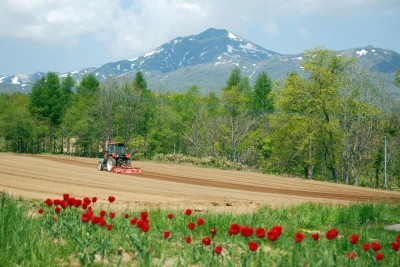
(117, 160)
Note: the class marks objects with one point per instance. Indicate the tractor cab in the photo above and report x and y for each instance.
(116, 150)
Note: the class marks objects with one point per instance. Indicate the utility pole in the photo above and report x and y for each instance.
(385, 165)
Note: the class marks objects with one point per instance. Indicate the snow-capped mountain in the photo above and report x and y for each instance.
(212, 46)
(206, 60)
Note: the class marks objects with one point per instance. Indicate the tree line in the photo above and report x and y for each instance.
(330, 125)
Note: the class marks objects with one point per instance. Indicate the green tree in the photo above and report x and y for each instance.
(83, 118)
(16, 123)
(397, 78)
(47, 104)
(236, 123)
(192, 112)
(46, 99)
(262, 99)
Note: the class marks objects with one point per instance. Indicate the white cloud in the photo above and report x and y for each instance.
(271, 27)
(134, 27)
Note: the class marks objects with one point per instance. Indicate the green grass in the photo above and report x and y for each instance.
(28, 238)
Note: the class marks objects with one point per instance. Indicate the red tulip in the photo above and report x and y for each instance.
(57, 210)
(87, 201)
(191, 225)
(94, 199)
(145, 228)
(144, 215)
(376, 246)
(65, 196)
(63, 204)
(134, 221)
(351, 255)
(395, 246)
(278, 229)
(40, 211)
(95, 219)
(246, 231)
(167, 234)
(71, 201)
(170, 216)
(49, 202)
(200, 221)
(366, 246)
(206, 241)
(111, 215)
(260, 232)
(272, 235)
(253, 246)
(111, 199)
(103, 213)
(85, 217)
(213, 231)
(126, 215)
(332, 234)
(188, 212)
(315, 236)
(234, 229)
(109, 227)
(398, 239)
(379, 256)
(298, 237)
(354, 239)
(188, 240)
(55, 219)
(77, 203)
(218, 250)
(102, 222)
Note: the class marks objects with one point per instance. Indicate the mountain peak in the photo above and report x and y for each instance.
(212, 32)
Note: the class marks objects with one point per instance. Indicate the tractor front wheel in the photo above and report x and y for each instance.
(111, 162)
(100, 166)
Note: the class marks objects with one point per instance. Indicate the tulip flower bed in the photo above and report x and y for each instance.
(91, 231)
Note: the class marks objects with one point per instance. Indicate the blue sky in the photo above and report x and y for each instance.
(68, 35)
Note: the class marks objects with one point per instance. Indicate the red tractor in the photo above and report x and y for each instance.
(117, 160)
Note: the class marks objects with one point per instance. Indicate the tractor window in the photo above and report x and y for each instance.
(120, 149)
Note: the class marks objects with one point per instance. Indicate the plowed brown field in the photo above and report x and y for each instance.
(169, 185)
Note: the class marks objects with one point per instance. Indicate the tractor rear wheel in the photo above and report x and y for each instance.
(111, 162)
(128, 162)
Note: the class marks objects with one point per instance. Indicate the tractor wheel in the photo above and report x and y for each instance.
(100, 166)
(111, 162)
(128, 162)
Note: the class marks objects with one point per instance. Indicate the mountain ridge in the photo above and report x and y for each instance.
(206, 60)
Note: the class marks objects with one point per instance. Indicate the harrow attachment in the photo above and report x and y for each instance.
(124, 169)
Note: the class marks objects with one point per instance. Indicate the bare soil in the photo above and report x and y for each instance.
(169, 186)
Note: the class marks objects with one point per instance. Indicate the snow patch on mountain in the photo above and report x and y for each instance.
(2, 78)
(362, 52)
(248, 46)
(15, 80)
(232, 36)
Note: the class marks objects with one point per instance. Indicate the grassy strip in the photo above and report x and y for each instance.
(63, 238)
(24, 239)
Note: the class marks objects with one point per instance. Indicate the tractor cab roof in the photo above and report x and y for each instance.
(116, 143)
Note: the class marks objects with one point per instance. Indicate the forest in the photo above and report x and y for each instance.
(336, 124)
